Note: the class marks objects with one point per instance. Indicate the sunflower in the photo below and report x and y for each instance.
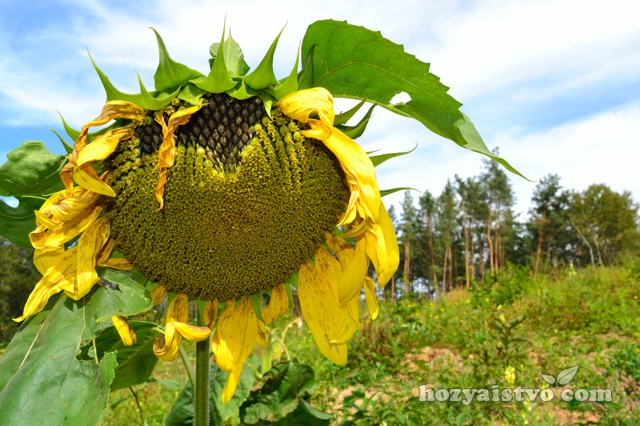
(220, 188)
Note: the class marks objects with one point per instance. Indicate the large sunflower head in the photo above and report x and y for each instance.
(219, 188)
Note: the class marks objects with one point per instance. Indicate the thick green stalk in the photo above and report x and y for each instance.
(201, 394)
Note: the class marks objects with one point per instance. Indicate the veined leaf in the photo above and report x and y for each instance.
(379, 159)
(358, 63)
(136, 362)
(233, 57)
(30, 169)
(41, 360)
(17, 222)
(170, 74)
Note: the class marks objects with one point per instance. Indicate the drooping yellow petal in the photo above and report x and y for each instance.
(210, 313)
(382, 247)
(43, 260)
(60, 275)
(192, 333)
(89, 247)
(330, 269)
(370, 297)
(126, 332)
(104, 145)
(86, 177)
(158, 294)
(166, 346)
(55, 238)
(220, 347)
(166, 351)
(322, 312)
(69, 208)
(118, 263)
(233, 341)
(278, 304)
(350, 322)
(167, 150)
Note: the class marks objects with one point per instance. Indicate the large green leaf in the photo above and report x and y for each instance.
(182, 411)
(136, 362)
(233, 57)
(354, 62)
(280, 393)
(305, 415)
(41, 380)
(30, 169)
(17, 222)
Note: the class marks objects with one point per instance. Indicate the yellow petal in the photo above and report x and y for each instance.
(220, 347)
(89, 246)
(191, 332)
(353, 274)
(69, 208)
(55, 238)
(118, 263)
(166, 351)
(210, 313)
(349, 324)
(127, 334)
(278, 304)
(87, 178)
(103, 146)
(59, 276)
(43, 260)
(233, 341)
(321, 312)
(111, 110)
(166, 152)
(370, 297)
(158, 294)
(382, 247)
(330, 269)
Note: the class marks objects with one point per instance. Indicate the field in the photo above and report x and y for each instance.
(505, 332)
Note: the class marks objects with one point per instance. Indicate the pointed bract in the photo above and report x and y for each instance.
(170, 74)
(263, 76)
(218, 80)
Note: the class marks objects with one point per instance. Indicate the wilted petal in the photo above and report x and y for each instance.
(158, 294)
(370, 297)
(322, 312)
(89, 247)
(126, 332)
(278, 304)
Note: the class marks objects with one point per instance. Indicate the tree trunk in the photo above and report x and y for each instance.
(466, 245)
(481, 260)
(433, 255)
(444, 273)
(473, 249)
(407, 265)
(490, 241)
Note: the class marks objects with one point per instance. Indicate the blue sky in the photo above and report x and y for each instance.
(553, 83)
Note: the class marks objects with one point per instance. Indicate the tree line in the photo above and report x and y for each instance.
(471, 231)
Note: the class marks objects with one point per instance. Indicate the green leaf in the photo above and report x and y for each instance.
(305, 77)
(305, 415)
(290, 85)
(71, 132)
(379, 159)
(356, 131)
(241, 91)
(342, 118)
(17, 222)
(233, 57)
(385, 192)
(218, 80)
(170, 74)
(150, 102)
(263, 76)
(136, 362)
(565, 376)
(113, 94)
(279, 395)
(192, 94)
(30, 169)
(358, 63)
(42, 381)
(182, 410)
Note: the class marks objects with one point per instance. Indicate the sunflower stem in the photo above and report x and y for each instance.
(201, 394)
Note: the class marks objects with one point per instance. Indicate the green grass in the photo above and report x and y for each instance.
(467, 339)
